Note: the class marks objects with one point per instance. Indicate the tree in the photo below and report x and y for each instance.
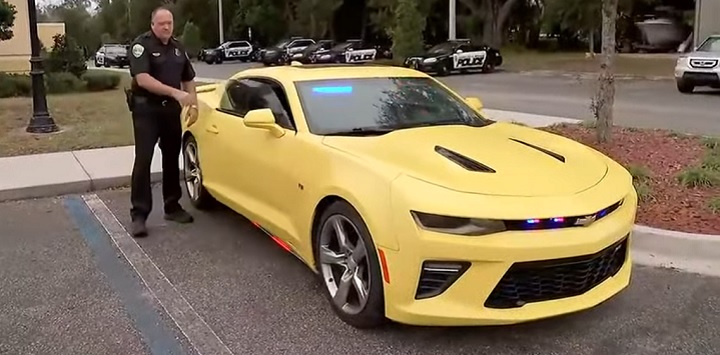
(407, 32)
(7, 20)
(605, 97)
(191, 38)
(494, 14)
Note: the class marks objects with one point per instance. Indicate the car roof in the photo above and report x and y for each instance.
(296, 73)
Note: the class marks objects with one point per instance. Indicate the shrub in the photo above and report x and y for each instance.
(66, 56)
(12, 85)
(62, 83)
(101, 81)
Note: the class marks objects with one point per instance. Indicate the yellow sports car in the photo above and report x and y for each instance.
(407, 202)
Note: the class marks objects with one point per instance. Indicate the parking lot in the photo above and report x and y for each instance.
(66, 287)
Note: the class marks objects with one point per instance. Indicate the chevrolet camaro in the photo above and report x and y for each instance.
(407, 202)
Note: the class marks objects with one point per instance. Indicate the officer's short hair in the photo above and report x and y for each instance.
(159, 8)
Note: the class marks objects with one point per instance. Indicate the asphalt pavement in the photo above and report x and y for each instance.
(66, 289)
(638, 103)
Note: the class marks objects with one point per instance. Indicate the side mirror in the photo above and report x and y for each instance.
(475, 103)
(263, 119)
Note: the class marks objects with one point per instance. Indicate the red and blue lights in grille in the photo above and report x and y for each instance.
(561, 222)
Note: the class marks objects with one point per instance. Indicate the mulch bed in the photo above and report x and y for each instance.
(665, 155)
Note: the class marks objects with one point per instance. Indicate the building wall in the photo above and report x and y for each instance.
(15, 53)
(707, 19)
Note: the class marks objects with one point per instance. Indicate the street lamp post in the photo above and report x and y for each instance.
(41, 121)
(452, 17)
(221, 26)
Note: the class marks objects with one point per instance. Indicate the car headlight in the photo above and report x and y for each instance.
(682, 61)
(457, 225)
(430, 60)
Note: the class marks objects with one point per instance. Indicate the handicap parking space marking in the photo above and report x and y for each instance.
(199, 334)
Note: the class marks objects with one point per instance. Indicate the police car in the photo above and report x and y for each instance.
(314, 51)
(700, 67)
(352, 51)
(282, 52)
(232, 50)
(112, 55)
(456, 56)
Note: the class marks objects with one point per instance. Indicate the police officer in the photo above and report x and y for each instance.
(163, 82)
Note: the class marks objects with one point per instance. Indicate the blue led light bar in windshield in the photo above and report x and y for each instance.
(333, 89)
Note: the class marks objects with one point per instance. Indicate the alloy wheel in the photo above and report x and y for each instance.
(344, 264)
(191, 168)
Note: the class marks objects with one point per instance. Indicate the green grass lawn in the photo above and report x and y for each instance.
(86, 120)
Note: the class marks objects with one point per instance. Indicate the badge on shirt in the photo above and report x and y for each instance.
(137, 50)
(177, 52)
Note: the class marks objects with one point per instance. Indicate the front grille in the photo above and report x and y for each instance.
(539, 281)
(438, 276)
(703, 63)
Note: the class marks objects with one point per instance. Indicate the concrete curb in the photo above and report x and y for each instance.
(588, 75)
(63, 173)
(689, 252)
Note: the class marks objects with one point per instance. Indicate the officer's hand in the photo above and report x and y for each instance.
(191, 116)
(183, 98)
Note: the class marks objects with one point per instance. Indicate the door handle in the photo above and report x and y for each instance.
(213, 129)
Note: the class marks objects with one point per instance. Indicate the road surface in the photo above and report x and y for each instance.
(66, 289)
(639, 103)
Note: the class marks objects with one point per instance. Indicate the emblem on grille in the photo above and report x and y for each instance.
(586, 221)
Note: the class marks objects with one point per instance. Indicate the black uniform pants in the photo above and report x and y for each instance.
(152, 122)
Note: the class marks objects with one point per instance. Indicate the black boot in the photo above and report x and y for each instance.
(139, 229)
(179, 216)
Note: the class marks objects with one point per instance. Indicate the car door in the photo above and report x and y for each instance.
(259, 165)
(360, 52)
(217, 137)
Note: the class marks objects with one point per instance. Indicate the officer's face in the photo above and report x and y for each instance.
(162, 24)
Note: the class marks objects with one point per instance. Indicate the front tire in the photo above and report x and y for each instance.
(200, 198)
(348, 267)
(685, 87)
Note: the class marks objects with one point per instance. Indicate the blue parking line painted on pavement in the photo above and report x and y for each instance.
(157, 335)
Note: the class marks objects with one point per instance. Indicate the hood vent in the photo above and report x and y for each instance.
(463, 161)
(550, 153)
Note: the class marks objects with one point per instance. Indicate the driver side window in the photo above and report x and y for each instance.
(246, 95)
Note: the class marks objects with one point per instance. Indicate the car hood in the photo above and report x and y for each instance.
(517, 165)
(713, 55)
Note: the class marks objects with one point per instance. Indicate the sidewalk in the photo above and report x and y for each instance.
(54, 174)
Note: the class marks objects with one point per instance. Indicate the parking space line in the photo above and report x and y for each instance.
(196, 330)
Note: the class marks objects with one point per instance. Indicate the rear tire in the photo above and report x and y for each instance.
(353, 264)
(199, 197)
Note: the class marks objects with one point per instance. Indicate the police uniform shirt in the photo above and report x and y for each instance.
(167, 63)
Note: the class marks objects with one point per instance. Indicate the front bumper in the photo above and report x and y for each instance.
(507, 278)
(421, 65)
(692, 71)
(118, 61)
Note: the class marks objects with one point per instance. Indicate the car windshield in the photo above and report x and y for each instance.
(315, 46)
(283, 43)
(354, 106)
(116, 50)
(442, 48)
(711, 45)
(341, 46)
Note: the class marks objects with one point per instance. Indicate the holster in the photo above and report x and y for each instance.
(129, 98)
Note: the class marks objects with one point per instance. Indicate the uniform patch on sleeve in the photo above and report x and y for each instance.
(137, 50)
